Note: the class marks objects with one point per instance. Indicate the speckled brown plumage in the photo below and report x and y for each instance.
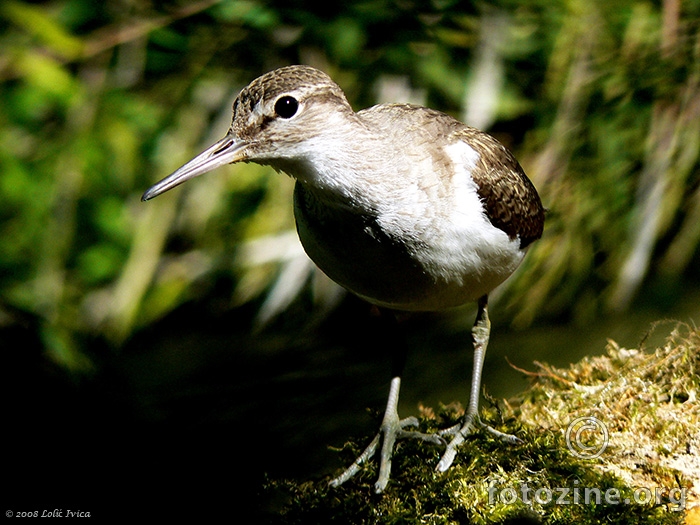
(511, 201)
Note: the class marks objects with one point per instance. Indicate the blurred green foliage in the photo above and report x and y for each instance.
(599, 100)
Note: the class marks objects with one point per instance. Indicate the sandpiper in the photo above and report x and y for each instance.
(402, 205)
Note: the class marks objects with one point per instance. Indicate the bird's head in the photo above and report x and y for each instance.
(277, 120)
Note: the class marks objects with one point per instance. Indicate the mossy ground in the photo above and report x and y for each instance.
(647, 400)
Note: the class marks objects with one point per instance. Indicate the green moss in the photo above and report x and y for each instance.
(640, 396)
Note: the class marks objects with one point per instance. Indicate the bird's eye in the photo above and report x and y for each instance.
(286, 107)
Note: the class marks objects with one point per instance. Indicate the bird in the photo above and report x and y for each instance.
(402, 205)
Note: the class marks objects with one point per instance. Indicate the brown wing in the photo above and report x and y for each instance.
(511, 200)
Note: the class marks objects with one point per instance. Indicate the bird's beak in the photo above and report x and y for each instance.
(228, 150)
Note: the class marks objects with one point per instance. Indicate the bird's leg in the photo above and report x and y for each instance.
(480, 336)
(390, 430)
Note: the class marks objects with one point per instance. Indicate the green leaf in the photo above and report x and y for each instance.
(36, 21)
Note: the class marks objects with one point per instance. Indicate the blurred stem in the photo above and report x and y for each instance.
(671, 18)
(146, 249)
(112, 36)
(654, 183)
(680, 252)
(488, 71)
(655, 180)
(61, 224)
(552, 163)
(109, 37)
(53, 283)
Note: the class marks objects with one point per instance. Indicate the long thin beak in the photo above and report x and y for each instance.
(227, 151)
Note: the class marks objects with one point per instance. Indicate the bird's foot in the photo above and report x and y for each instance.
(460, 431)
(391, 430)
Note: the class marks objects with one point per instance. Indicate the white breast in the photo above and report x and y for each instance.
(445, 222)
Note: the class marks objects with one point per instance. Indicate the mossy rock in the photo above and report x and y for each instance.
(641, 405)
